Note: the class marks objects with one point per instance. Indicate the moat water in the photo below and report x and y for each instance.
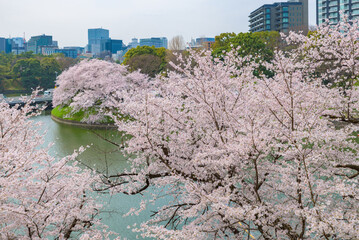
(104, 157)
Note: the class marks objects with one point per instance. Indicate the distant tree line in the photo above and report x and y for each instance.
(152, 61)
(27, 71)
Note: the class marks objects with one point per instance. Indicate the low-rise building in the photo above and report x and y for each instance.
(133, 44)
(48, 50)
(154, 41)
(80, 50)
(202, 42)
(71, 53)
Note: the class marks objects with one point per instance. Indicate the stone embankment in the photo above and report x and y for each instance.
(82, 124)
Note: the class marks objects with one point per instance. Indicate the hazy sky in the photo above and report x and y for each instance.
(68, 20)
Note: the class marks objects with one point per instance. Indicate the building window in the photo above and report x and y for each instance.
(267, 21)
(268, 16)
(285, 20)
(267, 10)
(285, 9)
(268, 27)
(285, 14)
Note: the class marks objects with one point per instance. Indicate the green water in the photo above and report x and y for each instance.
(105, 158)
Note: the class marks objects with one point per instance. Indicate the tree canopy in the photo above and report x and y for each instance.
(27, 71)
(94, 86)
(258, 43)
(140, 58)
(259, 46)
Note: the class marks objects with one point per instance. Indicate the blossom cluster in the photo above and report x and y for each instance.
(95, 86)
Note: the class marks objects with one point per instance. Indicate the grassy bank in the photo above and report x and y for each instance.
(65, 112)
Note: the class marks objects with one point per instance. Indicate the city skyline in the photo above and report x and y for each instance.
(68, 22)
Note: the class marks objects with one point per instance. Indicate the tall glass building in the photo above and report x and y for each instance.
(280, 16)
(330, 9)
(113, 46)
(5, 45)
(18, 45)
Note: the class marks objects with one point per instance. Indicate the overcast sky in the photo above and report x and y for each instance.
(68, 20)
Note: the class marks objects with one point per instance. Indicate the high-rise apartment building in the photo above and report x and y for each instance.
(330, 9)
(156, 42)
(97, 38)
(280, 16)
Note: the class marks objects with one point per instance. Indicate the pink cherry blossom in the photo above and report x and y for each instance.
(95, 86)
(42, 197)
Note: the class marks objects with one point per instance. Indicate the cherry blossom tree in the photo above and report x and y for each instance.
(93, 86)
(42, 197)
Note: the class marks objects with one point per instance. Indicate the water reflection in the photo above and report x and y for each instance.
(104, 157)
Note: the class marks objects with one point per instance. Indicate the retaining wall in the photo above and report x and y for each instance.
(82, 124)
